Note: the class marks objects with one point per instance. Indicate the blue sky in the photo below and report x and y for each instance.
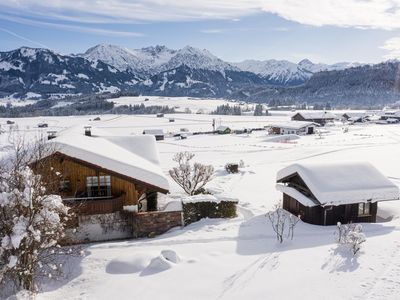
(341, 30)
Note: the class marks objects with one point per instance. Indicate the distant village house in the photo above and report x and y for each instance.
(293, 127)
(321, 118)
(157, 133)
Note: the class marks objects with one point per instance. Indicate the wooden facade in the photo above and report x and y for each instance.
(321, 121)
(73, 185)
(329, 215)
(324, 215)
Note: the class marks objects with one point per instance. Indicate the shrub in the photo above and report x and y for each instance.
(232, 168)
(282, 221)
(194, 211)
(350, 235)
(190, 178)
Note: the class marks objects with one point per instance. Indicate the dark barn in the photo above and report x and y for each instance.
(317, 117)
(324, 194)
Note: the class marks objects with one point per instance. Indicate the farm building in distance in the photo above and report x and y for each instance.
(321, 117)
(324, 194)
(356, 117)
(390, 114)
(223, 130)
(293, 127)
(157, 133)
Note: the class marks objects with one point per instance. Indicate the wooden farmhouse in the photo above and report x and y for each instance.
(355, 117)
(110, 182)
(320, 117)
(390, 115)
(293, 127)
(324, 194)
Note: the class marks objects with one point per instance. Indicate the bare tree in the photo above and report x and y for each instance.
(350, 235)
(32, 219)
(281, 222)
(191, 178)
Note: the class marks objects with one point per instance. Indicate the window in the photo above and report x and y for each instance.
(364, 209)
(65, 185)
(98, 186)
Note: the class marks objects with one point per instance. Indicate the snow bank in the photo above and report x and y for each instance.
(173, 205)
(282, 138)
(129, 264)
(165, 261)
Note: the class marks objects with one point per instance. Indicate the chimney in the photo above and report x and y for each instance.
(51, 134)
(88, 130)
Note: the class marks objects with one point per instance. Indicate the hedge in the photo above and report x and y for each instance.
(194, 211)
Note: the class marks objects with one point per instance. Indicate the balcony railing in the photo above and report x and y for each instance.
(95, 205)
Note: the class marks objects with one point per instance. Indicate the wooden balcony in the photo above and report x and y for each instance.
(95, 205)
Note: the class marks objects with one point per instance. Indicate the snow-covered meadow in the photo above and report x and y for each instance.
(237, 258)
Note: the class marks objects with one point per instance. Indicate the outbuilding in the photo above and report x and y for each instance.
(320, 117)
(223, 130)
(324, 194)
(158, 133)
(293, 127)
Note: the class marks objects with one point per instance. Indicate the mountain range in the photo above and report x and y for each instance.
(38, 73)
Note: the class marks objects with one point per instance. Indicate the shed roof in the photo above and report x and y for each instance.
(222, 128)
(293, 124)
(312, 115)
(135, 157)
(343, 183)
(153, 131)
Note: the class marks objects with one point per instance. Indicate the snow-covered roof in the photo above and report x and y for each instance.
(222, 128)
(293, 124)
(153, 131)
(133, 156)
(356, 115)
(343, 182)
(312, 115)
(292, 192)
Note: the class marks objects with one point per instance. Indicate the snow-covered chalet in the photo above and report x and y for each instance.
(111, 182)
(327, 193)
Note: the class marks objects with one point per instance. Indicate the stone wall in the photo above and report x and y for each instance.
(148, 224)
(122, 225)
(101, 227)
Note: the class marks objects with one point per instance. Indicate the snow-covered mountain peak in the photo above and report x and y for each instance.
(288, 73)
(196, 58)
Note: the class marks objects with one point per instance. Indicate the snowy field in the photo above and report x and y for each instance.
(240, 258)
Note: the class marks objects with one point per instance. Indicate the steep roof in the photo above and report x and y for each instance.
(343, 183)
(293, 124)
(135, 157)
(153, 131)
(312, 115)
(222, 128)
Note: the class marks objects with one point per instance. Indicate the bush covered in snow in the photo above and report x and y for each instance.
(207, 206)
(232, 168)
(190, 178)
(32, 223)
(350, 235)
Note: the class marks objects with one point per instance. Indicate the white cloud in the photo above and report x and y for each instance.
(393, 47)
(86, 29)
(383, 14)
(212, 31)
(23, 37)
